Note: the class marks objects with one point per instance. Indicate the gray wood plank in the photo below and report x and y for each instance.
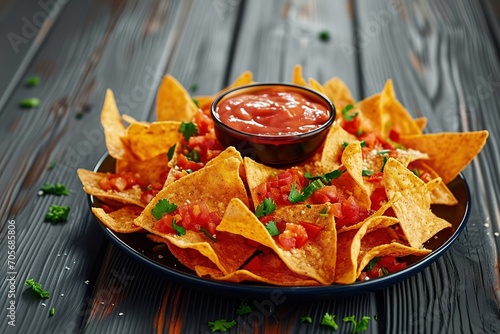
(77, 62)
(442, 60)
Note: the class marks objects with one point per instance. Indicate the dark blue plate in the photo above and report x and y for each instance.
(139, 247)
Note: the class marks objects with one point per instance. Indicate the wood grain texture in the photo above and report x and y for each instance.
(441, 59)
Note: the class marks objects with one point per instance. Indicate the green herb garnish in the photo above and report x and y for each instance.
(326, 178)
(188, 130)
(52, 311)
(272, 228)
(194, 87)
(210, 236)
(294, 196)
(306, 319)
(163, 207)
(32, 102)
(383, 164)
(244, 308)
(57, 214)
(366, 172)
(221, 325)
(170, 153)
(37, 288)
(33, 81)
(193, 156)
(57, 189)
(349, 117)
(177, 228)
(329, 320)
(265, 208)
(324, 36)
(372, 264)
(362, 325)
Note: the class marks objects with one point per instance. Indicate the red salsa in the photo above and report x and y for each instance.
(273, 111)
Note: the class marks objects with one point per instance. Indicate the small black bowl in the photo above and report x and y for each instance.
(273, 149)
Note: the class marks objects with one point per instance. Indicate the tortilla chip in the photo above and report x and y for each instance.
(220, 183)
(331, 156)
(370, 114)
(275, 272)
(149, 140)
(297, 78)
(338, 92)
(90, 181)
(413, 210)
(151, 171)
(121, 220)
(114, 130)
(421, 122)
(256, 174)
(204, 102)
(445, 157)
(313, 84)
(173, 102)
(394, 114)
(370, 251)
(349, 248)
(316, 259)
(245, 78)
(440, 193)
(352, 181)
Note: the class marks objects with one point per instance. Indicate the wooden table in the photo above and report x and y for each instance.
(442, 55)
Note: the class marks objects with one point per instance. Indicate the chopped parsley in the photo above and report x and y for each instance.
(326, 178)
(306, 319)
(362, 143)
(366, 172)
(244, 308)
(221, 325)
(193, 156)
(265, 208)
(272, 228)
(170, 153)
(57, 214)
(31, 102)
(348, 116)
(33, 81)
(416, 172)
(37, 288)
(188, 130)
(52, 165)
(163, 207)
(362, 325)
(194, 87)
(179, 229)
(57, 189)
(295, 196)
(329, 320)
(372, 263)
(344, 145)
(324, 36)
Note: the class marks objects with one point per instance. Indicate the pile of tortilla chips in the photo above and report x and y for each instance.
(227, 184)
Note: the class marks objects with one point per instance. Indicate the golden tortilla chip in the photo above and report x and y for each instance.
(297, 78)
(349, 248)
(394, 114)
(149, 140)
(413, 210)
(114, 130)
(338, 92)
(91, 180)
(173, 102)
(151, 171)
(440, 193)
(313, 84)
(121, 220)
(256, 174)
(316, 259)
(421, 122)
(245, 78)
(331, 156)
(449, 152)
(370, 114)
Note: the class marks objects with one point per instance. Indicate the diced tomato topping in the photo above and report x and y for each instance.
(378, 197)
(278, 187)
(294, 236)
(326, 194)
(164, 225)
(184, 163)
(336, 210)
(394, 136)
(120, 182)
(375, 177)
(351, 126)
(352, 213)
(387, 264)
(312, 230)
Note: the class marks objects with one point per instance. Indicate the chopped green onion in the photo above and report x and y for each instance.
(32, 102)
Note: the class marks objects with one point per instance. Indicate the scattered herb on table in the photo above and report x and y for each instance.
(306, 319)
(221, 325)
(33, 81)
(329, 320)
(52, 165)
(28, 103)
(57, 189)
(324, 35)
(57, 214)
(37, 288)
(193, 88)
(358, 326)
(52, 311)
(244, 308)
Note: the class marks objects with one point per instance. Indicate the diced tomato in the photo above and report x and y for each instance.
(164, 225)
(105, 184)
(253, 264)
(336, 210)
(184, 163)
(394, 136)
(375, 177)
(326, 194)
(378, 197)
(391, 264)
(351, 126)
(312, 230)
(351, 213)
(284, 179)
(374, 272)
(294, 236)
